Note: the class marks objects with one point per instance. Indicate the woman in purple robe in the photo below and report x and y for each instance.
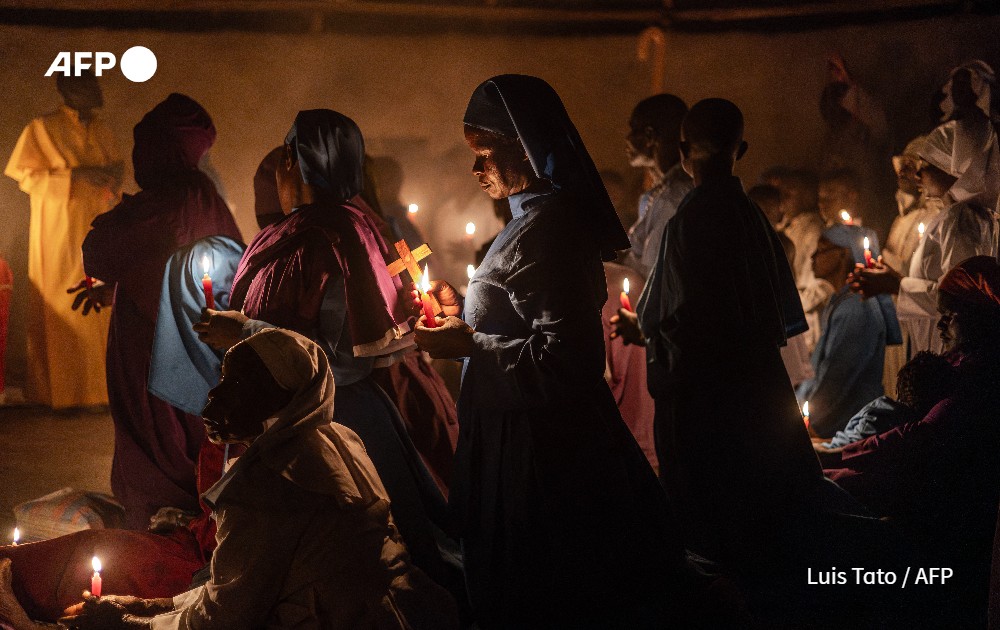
(320, 271)
(156, 444)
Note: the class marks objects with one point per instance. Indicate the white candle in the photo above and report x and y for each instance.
(413, 208)
(470, 228)
(17, 536)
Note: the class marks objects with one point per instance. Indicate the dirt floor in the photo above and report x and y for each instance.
(42, 451)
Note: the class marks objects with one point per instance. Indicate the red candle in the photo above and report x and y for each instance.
(95, 580)
(425, 300)
(623, 298)
(206, 283)
(868, 254)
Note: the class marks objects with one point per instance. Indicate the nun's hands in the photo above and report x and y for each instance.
(626, 326)
(451, 339)
(878, 280)
(220, 329)
(447, 297)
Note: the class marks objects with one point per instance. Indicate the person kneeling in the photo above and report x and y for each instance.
(304, 529)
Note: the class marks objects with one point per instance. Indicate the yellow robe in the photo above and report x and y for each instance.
(65, 350)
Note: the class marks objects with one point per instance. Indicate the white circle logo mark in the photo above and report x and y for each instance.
(138, 64)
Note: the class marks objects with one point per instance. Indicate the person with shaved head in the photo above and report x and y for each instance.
(734, 454)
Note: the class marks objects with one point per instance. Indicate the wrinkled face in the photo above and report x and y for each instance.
(238, 406)
(501, 165)
(835, 196)
(950, 327)
(934, 181)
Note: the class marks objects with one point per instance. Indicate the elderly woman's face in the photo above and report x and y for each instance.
(501, 165)
(241, 402)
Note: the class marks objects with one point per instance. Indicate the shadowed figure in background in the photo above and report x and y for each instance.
(651, 144)
(70, 165)
(156, 444)
(320, 271)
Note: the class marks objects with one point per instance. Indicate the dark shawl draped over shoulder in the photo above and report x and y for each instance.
(156, 444)
(526, 107)
(288, 261)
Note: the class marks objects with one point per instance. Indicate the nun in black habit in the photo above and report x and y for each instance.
(562, 521)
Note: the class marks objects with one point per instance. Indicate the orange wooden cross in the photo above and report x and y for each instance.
(408, 261)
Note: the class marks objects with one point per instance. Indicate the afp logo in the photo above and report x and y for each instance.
(138, 63)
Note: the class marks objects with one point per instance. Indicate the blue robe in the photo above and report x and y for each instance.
(561, 516)
(848, 362)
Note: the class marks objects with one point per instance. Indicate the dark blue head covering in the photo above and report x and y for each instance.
(330, 152)
(529, 109)
(852, 237)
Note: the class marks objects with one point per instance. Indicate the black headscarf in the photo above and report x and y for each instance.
(529, 109)
(170, 140)
(330, 152)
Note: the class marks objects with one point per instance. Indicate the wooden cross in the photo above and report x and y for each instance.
(408, 261)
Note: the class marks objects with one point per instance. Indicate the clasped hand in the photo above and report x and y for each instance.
(626, 326)
(93, 298)
(452, 337)
(877, 280)
(220, 329)
(113, 612)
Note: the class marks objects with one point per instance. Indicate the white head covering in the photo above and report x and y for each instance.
(302, 443)
(983, 82)
(938, 148)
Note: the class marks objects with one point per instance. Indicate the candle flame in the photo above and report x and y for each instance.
(625, 286)
(805, 409)
(425, 280)
(470, 228)
(413, 208)
(471, 270)
(17, 535)
(868, 243)
(206, 263)
(96, 563)
(920, 229)
(845, 216)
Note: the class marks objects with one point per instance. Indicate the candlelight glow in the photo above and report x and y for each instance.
(413, 208)
(425, 281)
(96, 563)
(867, 243)
(805, 409)
(625, 286)
(470, 228)
(920, 229)
(205, 263)
(17, 535)
(845, 216)
(471, 270)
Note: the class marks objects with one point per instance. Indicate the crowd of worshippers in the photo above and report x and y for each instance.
(787, 397)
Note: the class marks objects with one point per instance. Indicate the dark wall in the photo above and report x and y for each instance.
(408, 94)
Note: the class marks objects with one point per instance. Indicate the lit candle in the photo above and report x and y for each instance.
(470, 228)
(921, 228)
(623, 298)
(868, 254)
(17, 536)
(413, 208)
(805, 413)
(206, 282)
(845, 216)
(425, 287)
(89, 281)
(95, 580)
(470, 270)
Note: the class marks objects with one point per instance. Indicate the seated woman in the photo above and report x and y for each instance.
(848, 360)
(305, 533)
(939, 477)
